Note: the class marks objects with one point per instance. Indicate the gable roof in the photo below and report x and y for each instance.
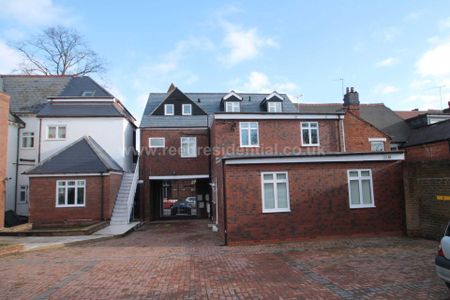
(83, 156)
(429, 134)
(29, 92)
(210, 103)
(380, 116)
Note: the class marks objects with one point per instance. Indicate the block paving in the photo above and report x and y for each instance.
(185, 260)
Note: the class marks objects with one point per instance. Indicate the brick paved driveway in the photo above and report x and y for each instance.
(184, 260)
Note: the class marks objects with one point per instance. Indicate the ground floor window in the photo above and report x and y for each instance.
(360, 188)
(70, 193)
(275, 192)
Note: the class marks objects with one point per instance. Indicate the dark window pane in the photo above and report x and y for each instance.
(314, 138)
(80, 196)
(70, 196)
(61, 196)
(305, 136)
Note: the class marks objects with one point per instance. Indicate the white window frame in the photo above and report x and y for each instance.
(27, 135)
(184, 140)
(24, 189)
(274, 181)
(249, 129)
(57, 128)
(273, 106)
(88, 94)
(154, 139)
(186, 113)
(372, 142)
(359, 178)
(232, 106)
(76, 186)
(166, 113)
(309, 128)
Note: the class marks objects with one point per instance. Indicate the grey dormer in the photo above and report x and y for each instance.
(273, 103)
(231, 102)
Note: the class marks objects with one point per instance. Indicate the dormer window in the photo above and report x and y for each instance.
(187, 109)
(88, 94)
(274, 107)
(169, 109)
(232, 106)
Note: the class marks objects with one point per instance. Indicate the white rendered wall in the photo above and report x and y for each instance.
(109, 133)
(11, 166)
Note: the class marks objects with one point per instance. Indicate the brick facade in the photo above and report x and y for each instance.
(4, 114)
(426, 216)
(319, 202)
(432, 151)
(43, 208)
(358, 132)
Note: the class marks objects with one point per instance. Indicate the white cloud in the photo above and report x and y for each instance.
(387, 62)
(9, 58)
(259, 82)
(243, 44)
(385, 89)
(35, 12)
(435, 62)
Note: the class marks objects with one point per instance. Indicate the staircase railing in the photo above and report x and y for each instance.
(130, 201)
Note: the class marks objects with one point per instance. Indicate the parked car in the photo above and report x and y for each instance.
(442, 260)
(181, 208)
(167, 204)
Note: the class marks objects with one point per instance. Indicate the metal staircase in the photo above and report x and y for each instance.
(123, 206)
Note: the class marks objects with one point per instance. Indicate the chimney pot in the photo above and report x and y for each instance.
(347, 89)
(352, 89)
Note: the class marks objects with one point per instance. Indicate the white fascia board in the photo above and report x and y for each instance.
(277, 116)
(174, 177)
(84, 99)
(232, 93)
(319, 159)
(274, 94)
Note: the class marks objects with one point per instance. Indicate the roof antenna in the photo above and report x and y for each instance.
(342, 85)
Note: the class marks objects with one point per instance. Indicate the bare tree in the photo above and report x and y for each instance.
(59, 51)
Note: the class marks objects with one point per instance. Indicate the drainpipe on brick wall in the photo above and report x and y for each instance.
(102, 215)
(343, 134)
(39, 145)
(224, 205)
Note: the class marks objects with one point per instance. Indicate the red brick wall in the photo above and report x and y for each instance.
(318, 199)
(4, 113)
(274, 137)
(433, 151)
(358, 132)
(164, 162)
(43, 208)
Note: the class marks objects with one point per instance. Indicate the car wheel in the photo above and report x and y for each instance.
(447, 284)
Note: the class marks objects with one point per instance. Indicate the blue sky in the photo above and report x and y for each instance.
(396, 52)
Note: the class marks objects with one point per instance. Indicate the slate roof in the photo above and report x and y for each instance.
(78, 85)
(90, 109)
(82, 156)
(210, 103)
(377, 115)
(415, 113)
(429, 134)
(29, 93)
(15, 119)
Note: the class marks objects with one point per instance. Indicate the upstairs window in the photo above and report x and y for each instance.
(377, 144)
(360, 188)
(232, 106)
(249, 135)
(23, 196)
(70, 193)
(169, 109)
(274, 106)
(187, 109)
(88, 93)
(188, 147)
(56, 132)
(310, 133)
(157, 142)
(28, 140)
(275, 192)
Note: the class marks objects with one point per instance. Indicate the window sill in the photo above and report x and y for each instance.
(250, 146)
(69, 206)
(51, 140)
(310, 145)
(362, 206)
(276, 211)
(188, 156)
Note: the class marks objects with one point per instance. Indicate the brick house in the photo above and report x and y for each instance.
(272, 171)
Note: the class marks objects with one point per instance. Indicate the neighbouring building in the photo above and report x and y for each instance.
(4, 118)
(264, 169)
(427, 180)
(57, 115)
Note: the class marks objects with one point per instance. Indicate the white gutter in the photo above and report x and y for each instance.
(277, 117)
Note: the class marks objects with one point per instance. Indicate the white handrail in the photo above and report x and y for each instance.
(132, 193)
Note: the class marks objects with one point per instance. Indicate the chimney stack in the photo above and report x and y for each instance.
(351, 101)
(447, 110)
